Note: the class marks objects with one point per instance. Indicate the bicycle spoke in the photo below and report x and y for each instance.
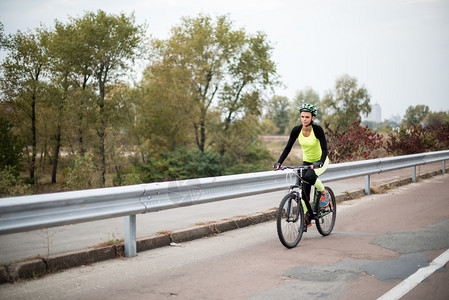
(326, 218)
(289, 221)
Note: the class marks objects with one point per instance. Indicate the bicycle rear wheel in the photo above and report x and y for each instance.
(326, 217)
(290, 221)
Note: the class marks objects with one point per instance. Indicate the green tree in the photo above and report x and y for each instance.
(2, 34)
(219, 68)
(73, 53)
(278, 113)
(414, 115)
(10, 147)
(436, 119)
(346, 103)
(165, 110)
(251, 72)
(113, 43)
(124, 141)
(61, 90)
(22, 83)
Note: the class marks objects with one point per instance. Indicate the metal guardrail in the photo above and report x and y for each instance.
(19, 214)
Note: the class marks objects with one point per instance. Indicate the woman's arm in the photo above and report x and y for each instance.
(291, 141)
(319, 134)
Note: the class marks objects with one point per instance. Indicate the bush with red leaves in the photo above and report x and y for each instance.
(418, 139)
(353, 143)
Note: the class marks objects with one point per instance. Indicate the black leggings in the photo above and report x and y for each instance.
(310, 178)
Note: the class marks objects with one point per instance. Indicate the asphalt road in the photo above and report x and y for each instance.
(378, 242)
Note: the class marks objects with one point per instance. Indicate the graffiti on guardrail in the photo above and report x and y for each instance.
(291, 177)
(187, 192)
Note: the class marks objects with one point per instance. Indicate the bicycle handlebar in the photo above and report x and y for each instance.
(296, 167)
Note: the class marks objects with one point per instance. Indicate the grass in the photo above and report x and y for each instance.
(110, 243)
(113, 242)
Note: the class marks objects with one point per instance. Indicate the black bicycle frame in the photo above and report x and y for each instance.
(317, 194)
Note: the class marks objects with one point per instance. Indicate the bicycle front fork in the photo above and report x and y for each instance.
(291, 214)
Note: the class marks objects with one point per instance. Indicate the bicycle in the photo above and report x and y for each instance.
(290, 215)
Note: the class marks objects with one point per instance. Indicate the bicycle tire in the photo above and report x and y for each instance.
(290, 227)
(327, 216)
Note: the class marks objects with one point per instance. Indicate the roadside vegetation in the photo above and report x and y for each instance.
(74, 116)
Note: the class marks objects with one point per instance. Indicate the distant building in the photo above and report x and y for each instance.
(375, 115)
(397, 119)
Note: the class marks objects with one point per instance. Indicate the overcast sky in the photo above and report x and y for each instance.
(397, 49)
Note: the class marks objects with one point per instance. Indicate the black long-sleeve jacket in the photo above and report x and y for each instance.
(294, 134)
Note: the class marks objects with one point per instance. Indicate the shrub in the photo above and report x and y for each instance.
(418, 139)
(439, 136)
(187, 164)
(127, 177)
(352, 144)
(407, 141)
(181, 164)
(11, 184)
(83, 174)
(254, 159)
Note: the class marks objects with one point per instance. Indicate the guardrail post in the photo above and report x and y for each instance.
(130, 236)
(414, 173)
(367, 184)
(444, 166)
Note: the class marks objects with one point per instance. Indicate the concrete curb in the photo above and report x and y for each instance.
(37, 267)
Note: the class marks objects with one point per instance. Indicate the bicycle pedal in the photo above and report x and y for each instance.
(307, 226)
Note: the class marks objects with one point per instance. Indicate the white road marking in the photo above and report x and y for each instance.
(413, 280)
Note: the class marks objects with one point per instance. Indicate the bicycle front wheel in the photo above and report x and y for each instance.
(290, 221)
(327, 216)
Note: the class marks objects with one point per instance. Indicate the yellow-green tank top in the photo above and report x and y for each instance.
(311, 147)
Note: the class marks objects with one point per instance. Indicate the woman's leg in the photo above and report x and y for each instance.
(309, 177)
(318, 184)
(324, 200)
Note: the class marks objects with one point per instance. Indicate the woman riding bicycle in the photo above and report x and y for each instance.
(312, 139)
